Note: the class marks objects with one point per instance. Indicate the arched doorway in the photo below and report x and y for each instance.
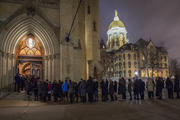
(22, 27)
(29, 57)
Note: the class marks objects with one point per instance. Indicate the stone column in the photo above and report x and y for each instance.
(13, 67)
(45, 67)
(49, 67)
(53, 67)
(4, 69)
(8, 69)
(57, 67)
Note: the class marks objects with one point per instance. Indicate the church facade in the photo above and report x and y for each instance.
(123, 59)
(52, 40)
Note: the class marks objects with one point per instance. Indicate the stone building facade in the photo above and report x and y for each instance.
(123, 59)
(74, 54)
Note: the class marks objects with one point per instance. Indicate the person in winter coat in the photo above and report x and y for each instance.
(90, 89)
(103, 91)
(130, 88)
(122, 88)
(115, 90)
(141, 88)
(28, 88)
(49, 91)
(65, 90)
(60, 94)
(177, 86)
(111, 90)
(136, 89)
(71, 91)
(150, 87)
(95, 87)
(82, 87)
(169, 86)
(106, 90)
(159, 87)
(40, 90)
(44, 90)
(35, 89)
(55, 88)
(17, 82)
(76, 91)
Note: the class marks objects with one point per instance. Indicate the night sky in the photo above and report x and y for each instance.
(155, 19)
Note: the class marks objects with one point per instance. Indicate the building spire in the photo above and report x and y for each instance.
(116, 18)
(116, 13)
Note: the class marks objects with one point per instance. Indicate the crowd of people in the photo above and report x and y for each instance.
(91, 90)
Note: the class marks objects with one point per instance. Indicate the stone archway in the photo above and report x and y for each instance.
(10, 37)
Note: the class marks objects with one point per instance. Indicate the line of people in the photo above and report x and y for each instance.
(83, 91)
(136, 88)
(66, 92)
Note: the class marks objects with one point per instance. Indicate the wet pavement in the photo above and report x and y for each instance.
(17, 107)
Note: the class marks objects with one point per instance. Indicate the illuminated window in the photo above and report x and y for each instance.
(30, 43)
(134, 56)
(129, 56)
(29, 46)
(129, 64)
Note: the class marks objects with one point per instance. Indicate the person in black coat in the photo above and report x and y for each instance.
(95, 86)
(111, 90)
(159, 87)
(55, 88)
(76, 88)
(115, 90)
(141, 88)
(44, 91)
(60, 93)
(103, 90)
(169, 86)
(136, 89)
(35, 89)
(106, 90)
(17, 82)
(130, 88)
(90, 89)
(122, 88)
(176, 86)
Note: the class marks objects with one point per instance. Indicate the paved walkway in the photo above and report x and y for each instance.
(14, 107)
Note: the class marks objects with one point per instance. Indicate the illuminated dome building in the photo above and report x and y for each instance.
(117, 34)
(123, 59)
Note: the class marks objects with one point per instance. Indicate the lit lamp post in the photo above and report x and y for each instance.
(136, 74)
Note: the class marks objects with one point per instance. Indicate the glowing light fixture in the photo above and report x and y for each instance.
(30, 43)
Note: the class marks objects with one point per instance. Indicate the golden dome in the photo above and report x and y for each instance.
(116, 22)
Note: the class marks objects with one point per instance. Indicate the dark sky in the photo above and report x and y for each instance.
(155, 19)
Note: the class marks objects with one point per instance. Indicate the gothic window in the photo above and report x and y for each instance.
(29, 47)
